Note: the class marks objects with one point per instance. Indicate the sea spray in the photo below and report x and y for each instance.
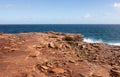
(91, 40)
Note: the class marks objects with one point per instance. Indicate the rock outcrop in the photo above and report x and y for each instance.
(53, 54)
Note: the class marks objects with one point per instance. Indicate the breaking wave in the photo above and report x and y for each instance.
(90, 40)
(117, 44)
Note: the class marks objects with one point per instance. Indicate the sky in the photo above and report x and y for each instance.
(59, 11)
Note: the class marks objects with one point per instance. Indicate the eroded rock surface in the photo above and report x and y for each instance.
(54, 54)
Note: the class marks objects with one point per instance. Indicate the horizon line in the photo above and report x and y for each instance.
(59, 24)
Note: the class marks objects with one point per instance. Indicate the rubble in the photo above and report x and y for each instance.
(53, 54)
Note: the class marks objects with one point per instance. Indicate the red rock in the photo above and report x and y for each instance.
(52, 45)
(76, 37)
(45, 67)
(28, 55)
(57, 70)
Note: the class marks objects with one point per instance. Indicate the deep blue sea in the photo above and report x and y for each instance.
(93, 32)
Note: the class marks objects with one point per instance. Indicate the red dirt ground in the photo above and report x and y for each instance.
(54, 54)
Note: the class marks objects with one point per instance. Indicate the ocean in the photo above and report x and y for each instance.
(94, 33)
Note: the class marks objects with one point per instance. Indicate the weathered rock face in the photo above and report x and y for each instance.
(73, 37)
(54, 54)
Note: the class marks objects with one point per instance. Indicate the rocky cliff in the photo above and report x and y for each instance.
(52, 54)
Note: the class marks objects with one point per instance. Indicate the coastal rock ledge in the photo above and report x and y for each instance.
(52, 54)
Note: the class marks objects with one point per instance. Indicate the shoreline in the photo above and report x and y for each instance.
(87, 40)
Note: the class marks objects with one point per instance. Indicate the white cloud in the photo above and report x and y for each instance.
(87, 15)
(116, 5)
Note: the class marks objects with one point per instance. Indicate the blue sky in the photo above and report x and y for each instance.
(59, 11)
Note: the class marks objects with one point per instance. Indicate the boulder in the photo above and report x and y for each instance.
(58, 70)
(74, 37)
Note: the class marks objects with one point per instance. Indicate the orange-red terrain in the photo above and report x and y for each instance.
(52, 54)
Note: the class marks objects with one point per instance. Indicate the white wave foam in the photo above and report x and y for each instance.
(116, 44)
(90, 40)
